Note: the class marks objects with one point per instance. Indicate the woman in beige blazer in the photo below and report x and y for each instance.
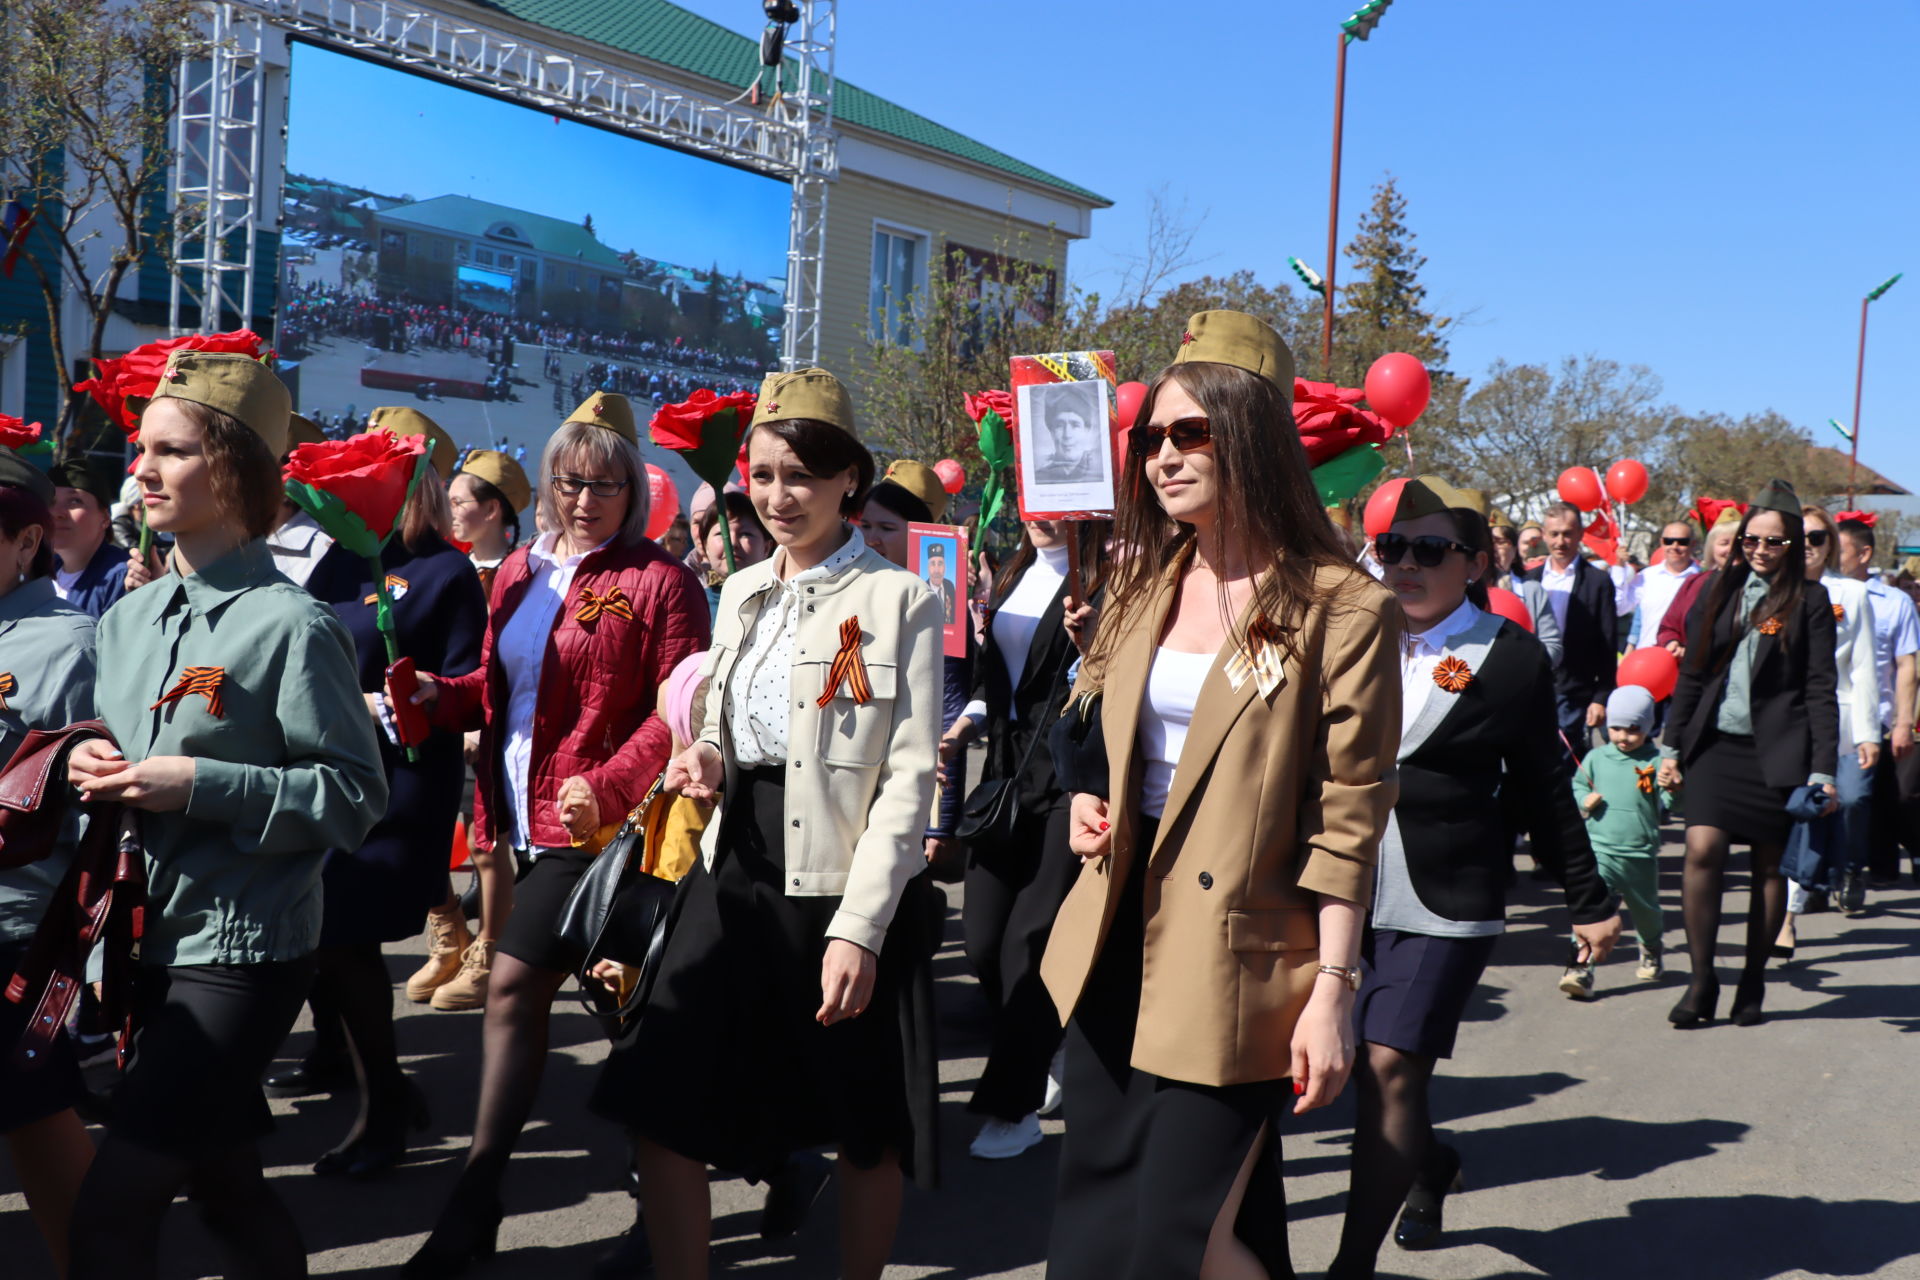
(1248, 695)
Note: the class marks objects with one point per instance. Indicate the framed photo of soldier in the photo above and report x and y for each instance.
(937, 554)
(1063, 435)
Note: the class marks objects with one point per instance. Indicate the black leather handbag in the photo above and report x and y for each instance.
(988, 814)
(619, 910)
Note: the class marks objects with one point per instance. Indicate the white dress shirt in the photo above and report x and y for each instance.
(1558, 584)
(522, 651)
(762, 679)
(1626, 587)
(1896, 633)
(297, 546)
(1423, 652)
(1658, 586)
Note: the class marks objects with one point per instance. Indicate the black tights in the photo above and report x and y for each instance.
(351, 991)
(1700, 898)
(128, 1189)
(1392, 1148)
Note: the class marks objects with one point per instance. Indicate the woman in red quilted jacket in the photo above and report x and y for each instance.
(588, 621)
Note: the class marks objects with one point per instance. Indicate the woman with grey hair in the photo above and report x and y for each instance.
(589, 620)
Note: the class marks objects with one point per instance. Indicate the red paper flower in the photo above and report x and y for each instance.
(365, 476)
(16, 434)
(125, 384)
(1452, 674)
(986, 402)
(1867, 518)
(679, 426)
(1330, 422)
(1709, 509)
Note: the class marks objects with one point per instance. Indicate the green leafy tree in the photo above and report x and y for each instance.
(91, 93)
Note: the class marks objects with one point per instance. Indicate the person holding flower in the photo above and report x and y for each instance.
(588, 621)
(791, 1005)
(1477, 722)
(377, 892)
(245, 753)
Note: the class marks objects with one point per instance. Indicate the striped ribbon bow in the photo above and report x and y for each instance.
(1259, 656)
(204, 681)
(1645, 775)
(7, 685)
(848, 667)
(592, 606)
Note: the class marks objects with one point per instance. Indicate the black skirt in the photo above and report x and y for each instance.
(203, 1036)
(1724, 789)
(727, 1065)
(540, 890)
(1148, 1162)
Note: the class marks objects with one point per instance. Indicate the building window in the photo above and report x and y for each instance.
(483, 256)
(573, 277)
(505, 260)
(442, 251)
(899, 270)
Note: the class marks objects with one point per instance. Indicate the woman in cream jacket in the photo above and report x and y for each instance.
(799, 948)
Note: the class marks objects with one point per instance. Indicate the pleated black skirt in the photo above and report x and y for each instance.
(727, 1065)
(1724, 789)
(1148, 1162)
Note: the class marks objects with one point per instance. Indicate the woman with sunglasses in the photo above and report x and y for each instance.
(1754, 716)
(1479, 753)
(588, 620)
(1242, 678)
(1838, 848)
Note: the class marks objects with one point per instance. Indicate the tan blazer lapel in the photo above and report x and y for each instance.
(1127, 673)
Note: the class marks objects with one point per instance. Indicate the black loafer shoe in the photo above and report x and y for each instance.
(310, 1077)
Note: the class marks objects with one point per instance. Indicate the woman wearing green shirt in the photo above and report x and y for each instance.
(245, 752)
(46, 681)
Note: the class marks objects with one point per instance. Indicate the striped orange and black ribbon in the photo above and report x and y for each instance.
(1645, 775)
(848, 667)
(592, 606)
(7, 685)
(204, 681)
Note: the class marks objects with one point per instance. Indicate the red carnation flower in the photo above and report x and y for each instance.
(17, 434)
(124, 384)
(1330, 421)
(985, 402)
(356, 487)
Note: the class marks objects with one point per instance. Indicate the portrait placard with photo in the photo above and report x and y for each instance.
(938, 554)
(1063, 434)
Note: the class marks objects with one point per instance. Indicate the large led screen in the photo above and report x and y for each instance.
(492, 266)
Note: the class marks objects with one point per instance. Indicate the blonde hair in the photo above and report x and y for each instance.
(601, 450)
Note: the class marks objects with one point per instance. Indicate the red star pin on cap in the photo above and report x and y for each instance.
(599, 408)
(1186, 338)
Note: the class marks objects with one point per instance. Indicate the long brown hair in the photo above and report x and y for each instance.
(1784, 593)
(1268, 506)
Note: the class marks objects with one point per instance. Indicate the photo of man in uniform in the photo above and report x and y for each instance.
(1070, 434)
(935, 573)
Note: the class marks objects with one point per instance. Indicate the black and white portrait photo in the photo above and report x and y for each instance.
(1066, 451)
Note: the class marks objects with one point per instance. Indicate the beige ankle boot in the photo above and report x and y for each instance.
(447, 937)
(468, 989)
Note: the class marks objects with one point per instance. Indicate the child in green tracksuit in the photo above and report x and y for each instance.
(1616, 789)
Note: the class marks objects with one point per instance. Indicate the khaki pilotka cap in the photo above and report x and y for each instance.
(235, 384)
(920, 480)
(805, 393)
(303, 430)
(1235, 338)
(404, 421)
(1430, 495)
(503, 473)
(610, 410)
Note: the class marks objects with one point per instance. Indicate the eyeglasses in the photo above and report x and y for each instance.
(1676, 542)
(1816, 537)
(1773, 541)
(571, 486)
(1429, 549)
(1187, 435)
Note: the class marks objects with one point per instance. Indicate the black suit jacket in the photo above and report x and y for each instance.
(1500, 739)
(1590, 640)
(1794, 699)
(1034, 705)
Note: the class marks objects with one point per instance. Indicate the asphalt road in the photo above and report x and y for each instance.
(1597, 1141)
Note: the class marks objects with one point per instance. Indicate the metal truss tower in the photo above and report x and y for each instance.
(216, 168)
(808, 108)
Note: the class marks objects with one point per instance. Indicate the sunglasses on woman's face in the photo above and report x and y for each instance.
(1429, 549)
(1816, 537)
(1187, 435)
(1774, 542)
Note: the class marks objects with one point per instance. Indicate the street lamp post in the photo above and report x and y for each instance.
(1357, 27)
(1859, 380)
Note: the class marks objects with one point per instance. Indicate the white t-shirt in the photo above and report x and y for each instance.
(1173, 689)
(63, 581)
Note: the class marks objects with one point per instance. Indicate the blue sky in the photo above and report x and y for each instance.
(396, 133)
(1707, 188)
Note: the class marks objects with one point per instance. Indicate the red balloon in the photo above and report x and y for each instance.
(1398, 388)
(1510, 606)
(1127, 398)
(1626, 481)
(1378, 517)
(663, 501)
(1653, 669)
(1581, 487)
(953, 476)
